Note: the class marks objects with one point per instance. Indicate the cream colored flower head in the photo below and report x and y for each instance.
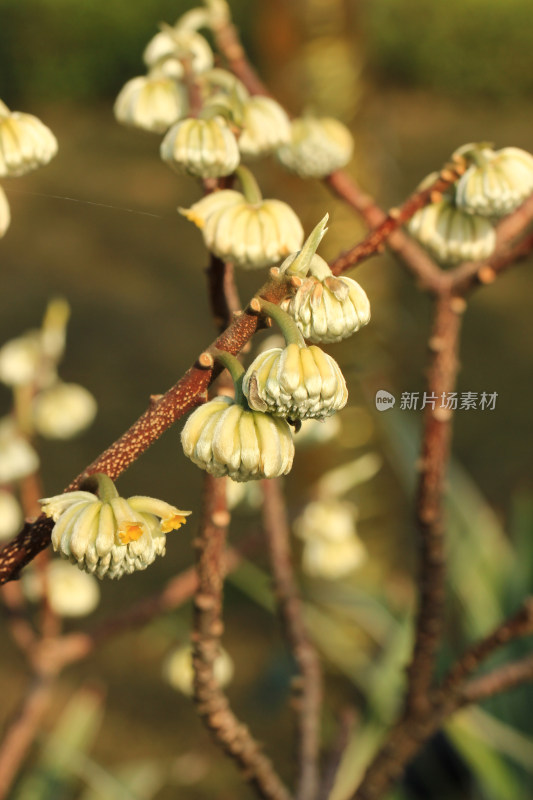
(69, 592)
(265, 126)
(179, 43)
(224, 438)
(451, 234)
(5, 213)
(17, 457)
(63, 410)
(325, 308)
(178, 669)
(496, 182)
(25, 143)
(152, 102)
(296, 382)
(109, 535)
(249, 234)
(332, 560)
(332, 548)
(317, 147)
(10, 515)
(205, 148)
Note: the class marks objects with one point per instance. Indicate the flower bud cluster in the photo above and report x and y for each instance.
(25, 144)
(332, 549)
(249, 438)
(458, 226)
(52, 408)
(248, 231)
(107, 535)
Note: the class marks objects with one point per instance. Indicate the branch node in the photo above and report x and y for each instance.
(206, 360)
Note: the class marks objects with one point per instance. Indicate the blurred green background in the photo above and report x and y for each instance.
(414, 79)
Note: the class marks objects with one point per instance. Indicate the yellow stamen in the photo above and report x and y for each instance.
(172, 523)
(130, 532)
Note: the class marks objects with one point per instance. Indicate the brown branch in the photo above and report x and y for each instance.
(470, 275)
(163, 411)
(385, 225)
(223, 293)
(308, 700)
(212, 703)
(433, 465)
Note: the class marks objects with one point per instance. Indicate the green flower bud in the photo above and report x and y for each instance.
(250, 234)
(152, 102)
(25, 144)
(224, 438)
(318, 146)
(110, 536)
(497, 181)
(5, 213)
(265, 126)
(295, 382)
(205, 148)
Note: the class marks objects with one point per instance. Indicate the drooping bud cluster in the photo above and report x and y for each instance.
(458, 225)
(326, 308)
(496, 182)
(297, 382)
(332, 548)
(25, 144)
(205, 148)
(451, 234)
(107, 535)
(317, 147)
(245, 229)
(293, 383)
(56, 410)
(225, 438)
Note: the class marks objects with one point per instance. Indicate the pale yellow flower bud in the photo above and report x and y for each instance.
(451, 234)
(10, 515)
(317, 147)
(265, 126)
(205, 148)
(17, 457)
(251, 235)
(63, 410)
(497, 181)
(69, 592)
(295, 382)
(179, 43)
(110, 537)
(332, 560)
(178, 669)
(224, 438)
(329, 309)
(332, 548)
(152, 102)
(5, 213)
(25, 142)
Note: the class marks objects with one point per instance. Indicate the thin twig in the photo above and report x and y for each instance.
(308, 699)
(502, 679)
(517, 626)
(21, 730)
(333, 759)
(213, 705)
